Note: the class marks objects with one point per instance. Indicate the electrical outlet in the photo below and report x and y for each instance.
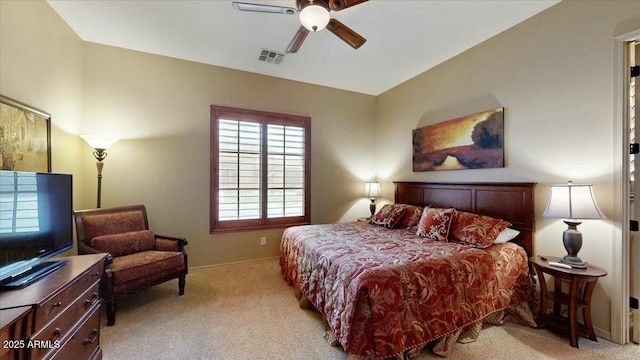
(263, 240)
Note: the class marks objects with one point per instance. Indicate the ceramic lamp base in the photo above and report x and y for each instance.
(572, 240)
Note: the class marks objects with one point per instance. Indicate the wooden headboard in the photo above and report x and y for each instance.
(512, 202)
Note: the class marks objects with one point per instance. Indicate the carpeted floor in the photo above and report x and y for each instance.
(248, 312)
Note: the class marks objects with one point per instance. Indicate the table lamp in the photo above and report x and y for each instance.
(372, 191)
(572, 202)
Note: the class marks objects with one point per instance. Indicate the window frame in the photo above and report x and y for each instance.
(265, 118)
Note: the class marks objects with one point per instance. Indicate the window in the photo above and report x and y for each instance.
(260, 167)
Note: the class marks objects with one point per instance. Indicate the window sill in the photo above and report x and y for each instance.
(253, 228)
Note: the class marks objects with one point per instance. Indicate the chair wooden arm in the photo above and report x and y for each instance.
(179, 239)
(170, 243)
(83, 248)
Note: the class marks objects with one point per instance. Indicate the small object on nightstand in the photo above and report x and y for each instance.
(560, 265)
(581, 282)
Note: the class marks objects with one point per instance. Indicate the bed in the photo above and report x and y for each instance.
(388, 292)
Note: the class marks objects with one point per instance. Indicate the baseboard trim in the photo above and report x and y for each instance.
(603, 334)
(196, 269)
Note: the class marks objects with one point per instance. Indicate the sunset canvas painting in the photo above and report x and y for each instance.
(470, 142)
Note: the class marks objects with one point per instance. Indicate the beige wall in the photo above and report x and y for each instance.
(41, 63)
(553, 74)
(160, 108)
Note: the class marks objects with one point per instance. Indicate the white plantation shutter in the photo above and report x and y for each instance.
(239, 176)
(18, 202)
(260, 169)
(285, 180)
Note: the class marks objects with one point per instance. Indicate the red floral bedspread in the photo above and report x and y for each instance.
(385, 291)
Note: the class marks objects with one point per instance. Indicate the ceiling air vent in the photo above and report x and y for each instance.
(270, 56)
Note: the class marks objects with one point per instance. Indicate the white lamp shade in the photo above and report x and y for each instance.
(372, 189)
(99, 142)
(314, 17)
(572, 201)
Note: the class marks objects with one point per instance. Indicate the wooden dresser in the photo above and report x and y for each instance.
(57, 317)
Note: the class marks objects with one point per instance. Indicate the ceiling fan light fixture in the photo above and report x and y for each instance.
(314, 17)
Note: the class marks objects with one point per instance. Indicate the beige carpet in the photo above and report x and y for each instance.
(248, 312)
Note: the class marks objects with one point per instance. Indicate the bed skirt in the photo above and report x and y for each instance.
(520, 314)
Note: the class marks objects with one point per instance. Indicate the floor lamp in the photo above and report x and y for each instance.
(100, 145)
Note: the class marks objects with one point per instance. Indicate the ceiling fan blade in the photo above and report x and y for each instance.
(297, 40)
(337, 5)
(271, 9)
(345, 33)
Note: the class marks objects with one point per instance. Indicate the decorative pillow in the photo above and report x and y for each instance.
(112, 223)
(435, 223)
(476, 230)
(124, 243)
(388, 216)
(505, 235)
(411, 216)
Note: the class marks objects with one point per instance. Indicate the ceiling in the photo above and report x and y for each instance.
(404, 38)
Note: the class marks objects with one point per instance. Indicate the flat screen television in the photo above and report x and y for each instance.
(36, 224)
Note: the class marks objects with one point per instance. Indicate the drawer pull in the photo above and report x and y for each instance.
(56, 334)
(96, 274)
(89, 302)
(94, 336)
(58, 304)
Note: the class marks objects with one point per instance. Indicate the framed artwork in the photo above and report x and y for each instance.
(470, 142)
(25, 137)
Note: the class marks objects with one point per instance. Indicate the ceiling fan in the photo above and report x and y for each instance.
(314, 16)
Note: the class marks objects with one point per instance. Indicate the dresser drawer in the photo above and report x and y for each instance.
(13, 323)
(83, 343)
(60, 301)
(61, 327)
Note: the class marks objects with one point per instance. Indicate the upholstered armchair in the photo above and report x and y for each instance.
(141, 259)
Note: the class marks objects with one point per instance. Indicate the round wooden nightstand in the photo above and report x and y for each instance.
(581, 284)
